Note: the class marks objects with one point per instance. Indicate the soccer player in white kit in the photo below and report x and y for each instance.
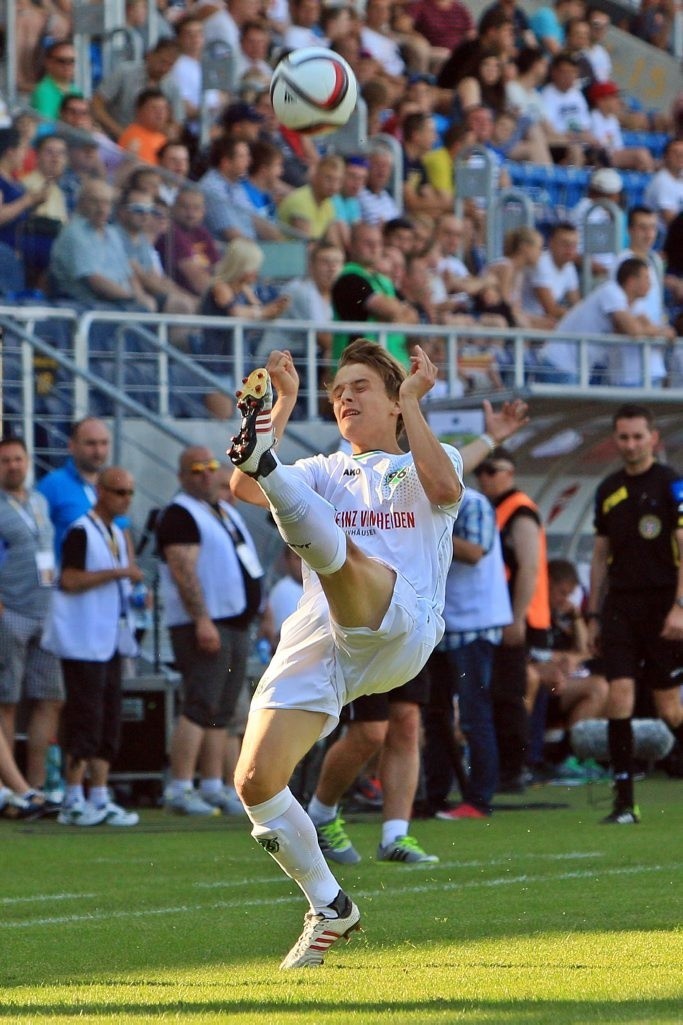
(374, 530)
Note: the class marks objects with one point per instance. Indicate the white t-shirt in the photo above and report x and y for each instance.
(665, 192)
(597, 215)
(283, 599)
(377, 207)
(566, 112)
(653, 308)
(187, 74)
(526, 103)
(546, 274)
(607, 130)
(383, 49)
(220, 27)
(593, 315)
(296, 37)
(381, 505)
(601, 62)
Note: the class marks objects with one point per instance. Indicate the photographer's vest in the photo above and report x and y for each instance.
(538, 613)
(380, 285)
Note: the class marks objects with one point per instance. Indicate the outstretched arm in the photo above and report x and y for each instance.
(499, 425)
(285, 380)
(434, 468)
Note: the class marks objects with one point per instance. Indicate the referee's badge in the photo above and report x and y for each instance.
(649, 527)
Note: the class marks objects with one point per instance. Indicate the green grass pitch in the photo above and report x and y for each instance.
(536, 917)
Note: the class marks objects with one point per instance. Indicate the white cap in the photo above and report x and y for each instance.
(606, 180)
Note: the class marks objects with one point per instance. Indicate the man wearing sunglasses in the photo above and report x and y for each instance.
(210, 584)
(58, 80)
(89, 627)
(524, 552)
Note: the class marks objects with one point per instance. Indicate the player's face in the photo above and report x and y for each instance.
(636, 443)
(365, 414)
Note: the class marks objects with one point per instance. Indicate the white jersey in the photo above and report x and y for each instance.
(381, 505)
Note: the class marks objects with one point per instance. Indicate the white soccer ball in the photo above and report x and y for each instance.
(313, 90)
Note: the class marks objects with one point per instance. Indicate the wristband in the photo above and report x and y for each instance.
(488, 441)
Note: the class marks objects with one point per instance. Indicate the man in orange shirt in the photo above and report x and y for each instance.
(146, 135)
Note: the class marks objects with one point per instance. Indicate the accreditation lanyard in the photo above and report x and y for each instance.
(109, 538)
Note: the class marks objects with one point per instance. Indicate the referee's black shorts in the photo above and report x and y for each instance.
(632, 647)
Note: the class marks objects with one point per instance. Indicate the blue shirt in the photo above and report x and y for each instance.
(68, 497)
(81, 251)
(227, 206)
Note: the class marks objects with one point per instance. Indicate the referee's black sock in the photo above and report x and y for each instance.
(620, 740)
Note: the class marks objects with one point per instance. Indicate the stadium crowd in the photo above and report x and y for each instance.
(118, 201)
(127, 199)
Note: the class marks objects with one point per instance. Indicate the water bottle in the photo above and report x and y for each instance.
(138, 605)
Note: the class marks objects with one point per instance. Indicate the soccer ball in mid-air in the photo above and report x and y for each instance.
(313, 90)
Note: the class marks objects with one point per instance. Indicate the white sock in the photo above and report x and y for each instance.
(305, 520)
(74, 795)
(211, 786)
(392, 829)
(284, 830)
(98, 796)
(320, 812)
(180, 786)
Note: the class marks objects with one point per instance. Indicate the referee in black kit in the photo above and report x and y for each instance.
(636, 592)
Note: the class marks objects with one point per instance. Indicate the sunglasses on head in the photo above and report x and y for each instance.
(121, 492)
(211, 464)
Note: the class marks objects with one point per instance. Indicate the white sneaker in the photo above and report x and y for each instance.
(320, 933)
(115, 815)
(256, 437)
(226, 801)
(187, 803)
(82, 814)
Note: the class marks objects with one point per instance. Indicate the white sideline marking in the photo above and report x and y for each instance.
(45, 897)
(227, 884)
(98, 916)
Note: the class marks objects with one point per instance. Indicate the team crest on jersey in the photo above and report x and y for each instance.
(649, 527)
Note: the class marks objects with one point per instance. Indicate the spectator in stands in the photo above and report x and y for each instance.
(235, 291)
(554, 282)
(495, 32)
(75, 112)
(114, 100)
(186, 73)
(222, 21)
(40, 229)
(664, 192)
(377, 204)
(58, 80)
(264, 186)
(361, 293)
(484, 87)
(445, 24)
(174, 158)
(523, 33)
(522, 248)
(88, 262)
(17, 203)
(419, 136)
(346, 202)
(399, 233)
(336, 22)
(188, 252)
(522, 91)
(309, 210)
(299, 151)
(455, 275)
(604, 184)
(241, 121)
(146, 134)
(611, 308)
(304, 28)
(134, 211)
(378, 40)
(566, 111)
(85, 164)
(597, 52)
(548, 23)
(606, 129)
(672, 250)
(642, 232)
(652, 23)
(251, 61)
(577, 42)
(229, 211)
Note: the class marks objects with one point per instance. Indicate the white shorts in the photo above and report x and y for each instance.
(320, 666)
